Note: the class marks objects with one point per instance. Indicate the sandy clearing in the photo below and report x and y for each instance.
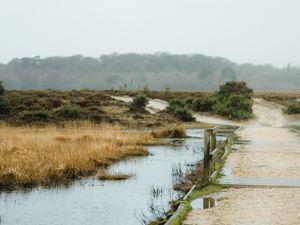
(268, 113)
(251, 206)
(216, 120)
(153, 106)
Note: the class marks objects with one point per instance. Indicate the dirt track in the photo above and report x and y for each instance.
(273, 151)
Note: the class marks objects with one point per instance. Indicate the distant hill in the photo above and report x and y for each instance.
(134, 71)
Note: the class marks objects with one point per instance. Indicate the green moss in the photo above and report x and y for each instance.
(212, 188)
(182, 215)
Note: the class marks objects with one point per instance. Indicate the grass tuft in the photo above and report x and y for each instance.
(104, 175)
(170, 132)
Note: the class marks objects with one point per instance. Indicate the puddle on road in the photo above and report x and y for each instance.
(203, 203)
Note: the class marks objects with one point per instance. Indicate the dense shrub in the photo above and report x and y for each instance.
(4, 107)
(235, 106)
(178, 108)
(175, 103)
(31, 116)
(139, 101)
(1, 88)
(204, 104)
(189, 102)
(293, 108)
(70, 111)
(233, 100)
(234, 87)
(184, 114)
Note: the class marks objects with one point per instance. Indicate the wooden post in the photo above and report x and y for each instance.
(206, 158)
(210, 152)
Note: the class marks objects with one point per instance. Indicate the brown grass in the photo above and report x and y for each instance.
(51, 155)
(104, 175)
(170, 131)
(282, 98)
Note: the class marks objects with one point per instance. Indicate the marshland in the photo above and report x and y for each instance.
(149, 112)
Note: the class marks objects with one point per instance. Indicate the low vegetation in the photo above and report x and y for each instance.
(293, 108)
(177, 107)
(232, 100)
(55, 107)
(51, 155)
(170, 131)
(139, 102)
(104, 175)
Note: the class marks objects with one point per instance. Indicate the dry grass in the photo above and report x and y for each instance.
(51, 155)
(170, 131)
(104, 175)
(282, 98)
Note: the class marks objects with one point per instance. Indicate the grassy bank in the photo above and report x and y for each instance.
(52, 155)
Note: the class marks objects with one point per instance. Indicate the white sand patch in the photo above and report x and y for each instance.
(153, 106)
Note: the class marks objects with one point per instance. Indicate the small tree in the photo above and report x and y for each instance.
(4, 107)
(2, 90)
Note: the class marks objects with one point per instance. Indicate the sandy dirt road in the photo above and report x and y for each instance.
(272, 152)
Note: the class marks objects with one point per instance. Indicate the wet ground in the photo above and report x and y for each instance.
(265, 162)
(108, 202)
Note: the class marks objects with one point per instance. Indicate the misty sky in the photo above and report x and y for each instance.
(256, 31)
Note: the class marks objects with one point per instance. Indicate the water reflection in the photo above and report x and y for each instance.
(95, 202)
(203, 203)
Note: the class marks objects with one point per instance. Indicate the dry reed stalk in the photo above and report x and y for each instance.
(170, 131)
(51, 155)
(104, 175)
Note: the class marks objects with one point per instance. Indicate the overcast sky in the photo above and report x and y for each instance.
(256, 31)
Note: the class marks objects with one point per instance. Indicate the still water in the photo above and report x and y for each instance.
(92, 202)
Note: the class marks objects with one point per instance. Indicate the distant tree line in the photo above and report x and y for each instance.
(160, 71)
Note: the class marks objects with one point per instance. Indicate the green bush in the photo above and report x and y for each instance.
(184, 115)
(4, 107)
(234, 87)
(204, 104)
(189, 102)
(293, 108)
(235, 106)
(139, 101)
(175, 103)
(70, 111)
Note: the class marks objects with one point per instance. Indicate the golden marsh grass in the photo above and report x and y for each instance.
(52, 155)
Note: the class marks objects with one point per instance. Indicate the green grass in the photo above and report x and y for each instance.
(197, 193)
(182, 215)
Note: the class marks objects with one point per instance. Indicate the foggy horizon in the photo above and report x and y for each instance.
(257, 32)
(153, 53)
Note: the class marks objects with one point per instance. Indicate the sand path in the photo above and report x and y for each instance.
(153, 106)
(271, 155)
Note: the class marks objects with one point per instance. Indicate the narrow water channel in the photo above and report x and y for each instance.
(107, 202)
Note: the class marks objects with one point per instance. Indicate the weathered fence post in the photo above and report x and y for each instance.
(206, 158)
(210, 151)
